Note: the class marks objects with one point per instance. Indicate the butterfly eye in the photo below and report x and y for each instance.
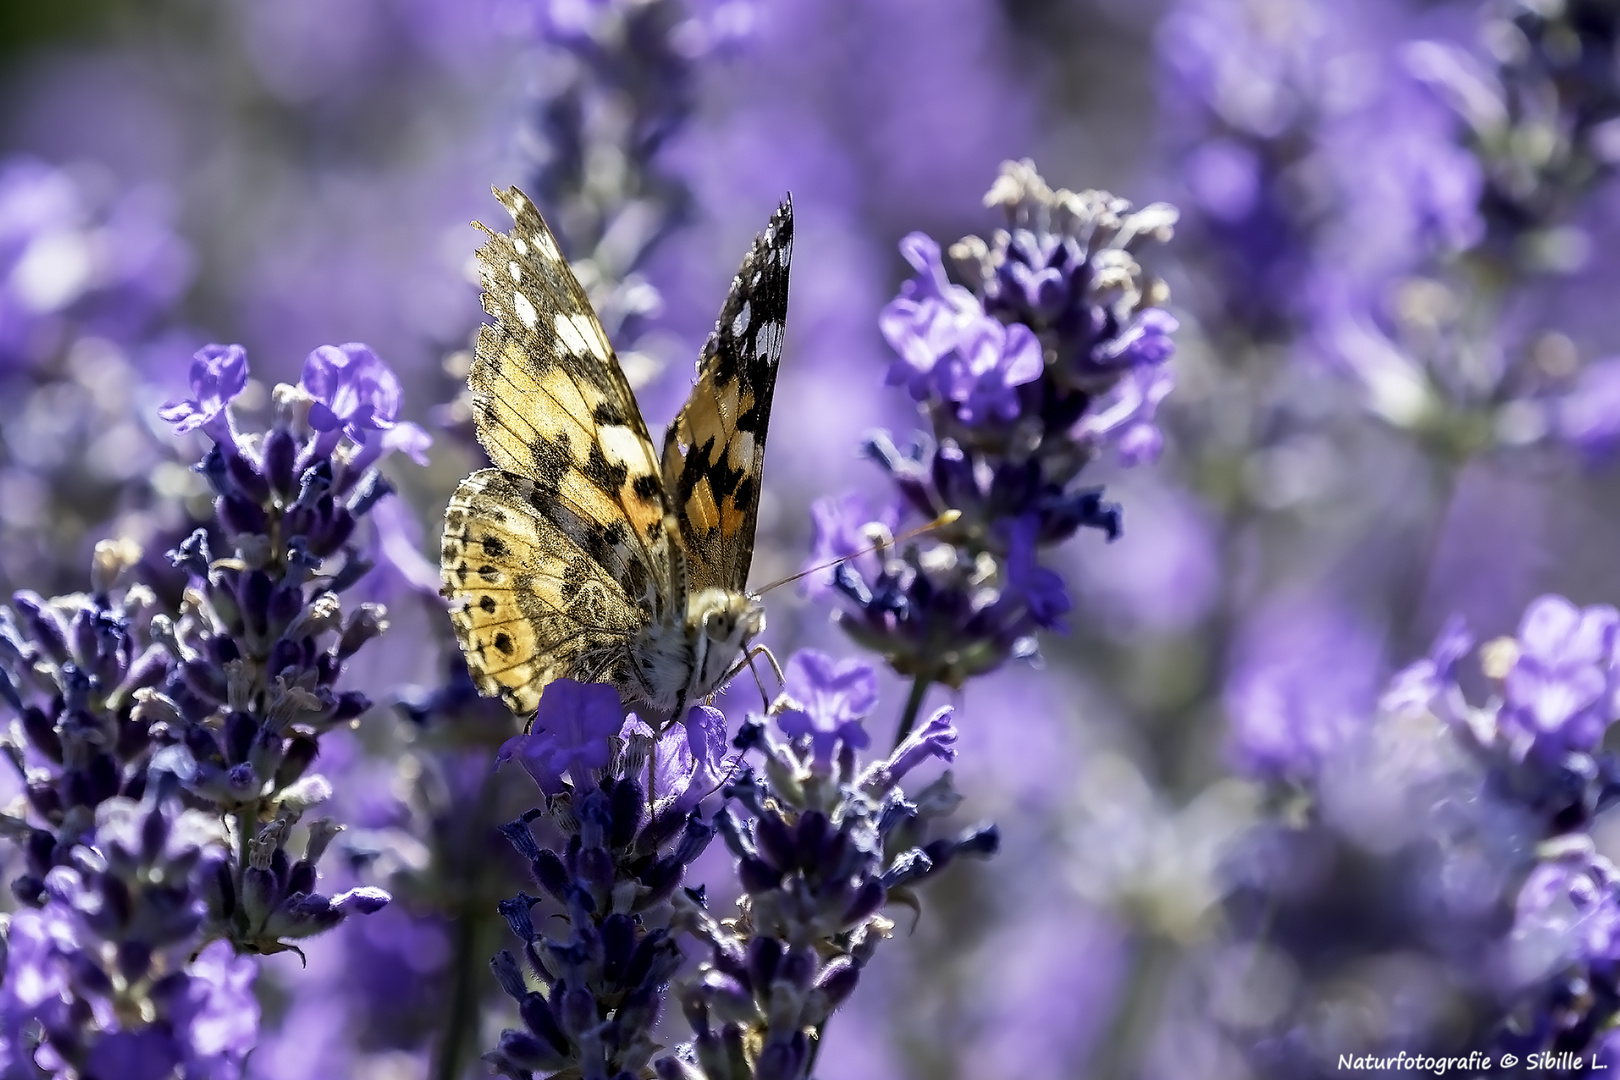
(717, 625)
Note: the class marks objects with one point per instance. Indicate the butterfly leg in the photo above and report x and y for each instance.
(747, 661)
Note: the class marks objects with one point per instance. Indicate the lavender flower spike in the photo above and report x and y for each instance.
(819, 853)
(590, 994)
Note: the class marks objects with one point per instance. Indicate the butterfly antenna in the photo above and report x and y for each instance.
(947, 518)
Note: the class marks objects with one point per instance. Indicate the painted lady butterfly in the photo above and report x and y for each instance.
(582, 553)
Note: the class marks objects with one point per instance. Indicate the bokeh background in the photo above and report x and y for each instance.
(1392, 405)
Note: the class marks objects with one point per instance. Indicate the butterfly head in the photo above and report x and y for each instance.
(727, 621)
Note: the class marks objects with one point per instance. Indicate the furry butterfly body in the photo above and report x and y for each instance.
(583, 553)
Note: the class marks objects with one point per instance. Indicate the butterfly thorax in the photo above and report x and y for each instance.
(686, 660)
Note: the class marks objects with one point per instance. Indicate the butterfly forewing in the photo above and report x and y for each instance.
(550, 400)
(714, 450)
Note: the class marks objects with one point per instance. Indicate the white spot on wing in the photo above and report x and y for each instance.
(740, 451)
(516, 271)
(768, 339)
(548, 250)
(621, 446)
(525, 310)
(740, 323)
(520, 245)
(592, 336)
(568, 333)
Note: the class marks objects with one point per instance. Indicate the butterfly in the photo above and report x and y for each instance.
(584, 553)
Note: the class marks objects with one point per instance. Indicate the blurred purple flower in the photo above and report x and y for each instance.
(68, 257)
(218, 375)
(831, 697)
(1145, 341)
(399, 567)
(1165, 579)
(933, 738)
(842, 528)
(1301, 686)
(1567, 913)
(1588, 416)
(1430, 684)
(1126, 414)
(569, 734)
(1040, 590)
(1560, 692)
(220, 1012)
(929, 319)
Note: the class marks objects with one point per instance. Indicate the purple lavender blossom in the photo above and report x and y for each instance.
(831, 699)
(229, 697)
(1300, 688)
(113, 967)
(821, 844)
(688, 757)
(1564, 948)
(928, 321)
(845, 527)
(626, 849)
(980, 372)
(353, 390)
(218, 375)
(1059, 349)
(1469, 813)
(569, 736)
(1560, 690)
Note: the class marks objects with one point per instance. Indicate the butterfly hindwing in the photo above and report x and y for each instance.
(537, 606)
(714, 450)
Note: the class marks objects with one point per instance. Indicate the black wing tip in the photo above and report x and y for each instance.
(782, 219)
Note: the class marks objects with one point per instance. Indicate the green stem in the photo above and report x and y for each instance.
(461, 1015)
(908, 719)
(1137, 1014)
(244, 839)
(469, 910)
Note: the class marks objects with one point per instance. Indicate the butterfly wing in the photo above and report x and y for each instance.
(714, 450)
(562, 549)
(536, 606)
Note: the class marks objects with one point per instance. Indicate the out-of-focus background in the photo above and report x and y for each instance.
(1388, 338)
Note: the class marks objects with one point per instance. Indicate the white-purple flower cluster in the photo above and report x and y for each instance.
(1058, 350)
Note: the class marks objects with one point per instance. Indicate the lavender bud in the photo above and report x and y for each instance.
(280, 456)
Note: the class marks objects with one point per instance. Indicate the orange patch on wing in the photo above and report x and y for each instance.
(701, 510)
(733, 519)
